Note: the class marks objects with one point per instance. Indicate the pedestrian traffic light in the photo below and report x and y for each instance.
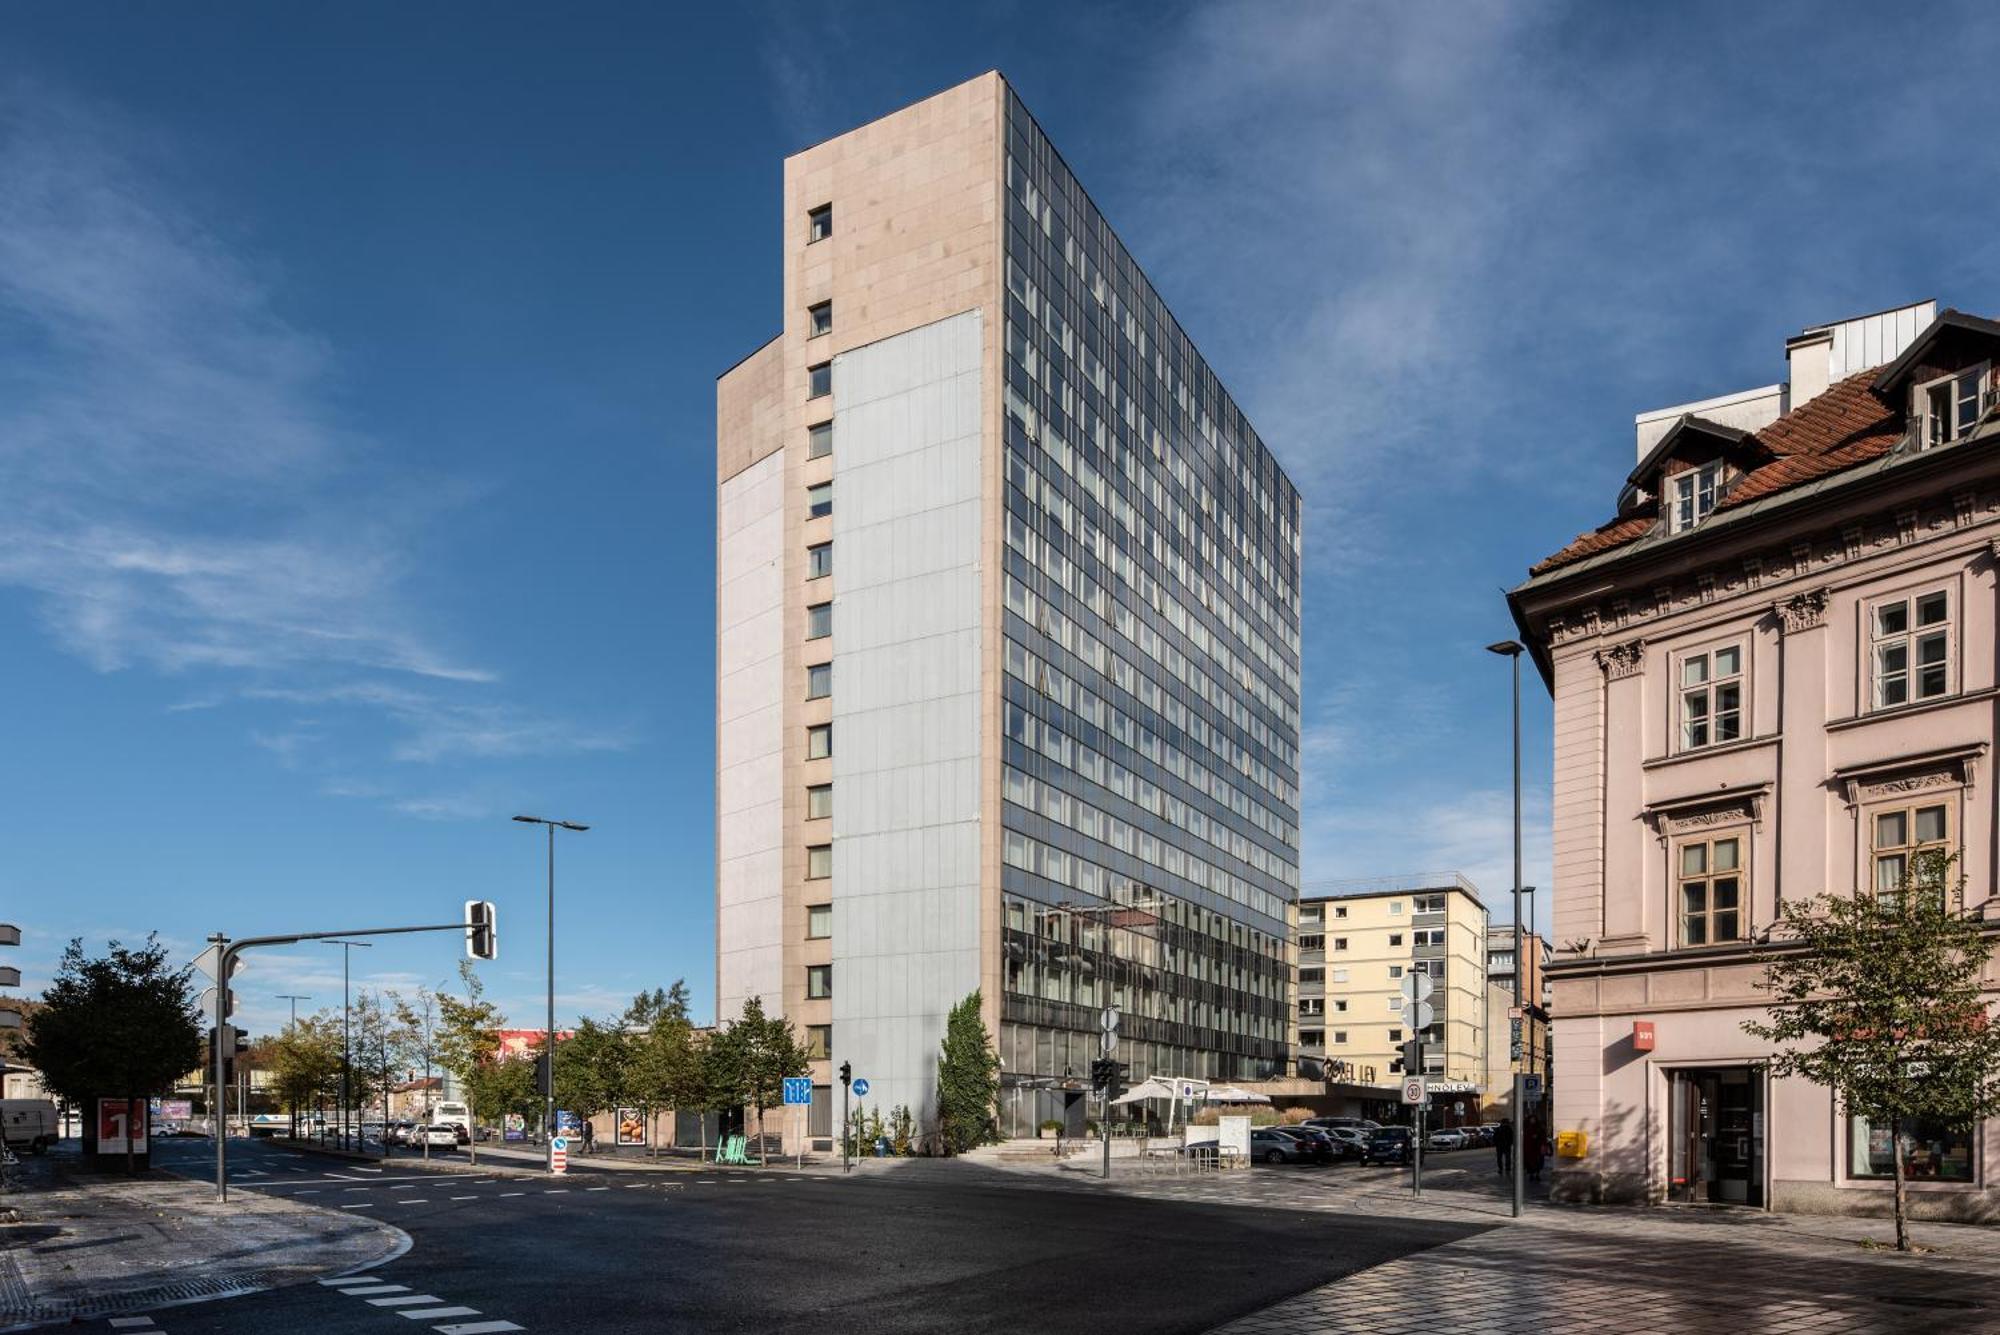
(542, 1075)
(1413, 1057)
(847, 1073)
(234, 1044)
(482, 929)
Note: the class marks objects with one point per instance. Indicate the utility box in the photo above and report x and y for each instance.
(1572, 1144)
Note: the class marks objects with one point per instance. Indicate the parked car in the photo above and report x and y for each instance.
(436, 1136)
(1348, 1142)
(1387, 1144)
(1271, 1146)
(1362, 1124)
(1315, 1144)
(1447, 1138)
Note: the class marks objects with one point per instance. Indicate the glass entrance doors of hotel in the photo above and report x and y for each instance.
(1715, 1135)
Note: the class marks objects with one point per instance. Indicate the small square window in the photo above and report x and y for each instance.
(819, 921)
(819, 561)
(1340, 1035)
(819, 223)
(819, 440)
(819, 680)
(819, 380)
(1340, 910)
(819, 741)
(819, 1041)
(819, 319)
(819, 801)
(819, 500)
(819, 862)
(819, 621)
(819, 981)
(1340, 943)
(1395, 938)
(1340, 1003)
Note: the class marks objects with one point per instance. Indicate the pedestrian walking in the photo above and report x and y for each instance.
(589, 1137)
(1503, 1147)
(1534, 1147)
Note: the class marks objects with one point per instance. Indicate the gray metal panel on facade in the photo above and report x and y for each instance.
(906, 704)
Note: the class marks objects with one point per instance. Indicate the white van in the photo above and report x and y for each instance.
(30, 1124)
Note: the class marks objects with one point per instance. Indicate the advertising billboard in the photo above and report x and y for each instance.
(631, 1127)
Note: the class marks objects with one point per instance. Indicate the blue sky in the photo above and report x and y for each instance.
(356, 397)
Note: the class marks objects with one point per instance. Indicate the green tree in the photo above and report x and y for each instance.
(377, 1050)
(591, 1067)
(469, 1046)
(968, 1078)
(663, 1064)
(764, 1051)
(121, 1025)
(304, 1062)
(1877, 998)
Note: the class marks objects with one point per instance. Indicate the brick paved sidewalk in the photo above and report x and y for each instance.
(83, 1245)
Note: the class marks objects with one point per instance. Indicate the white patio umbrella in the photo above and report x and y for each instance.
(1231, 1094)
(1154, 1088)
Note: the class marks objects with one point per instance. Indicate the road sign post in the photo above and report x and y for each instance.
(558, 1154)
(798, 1094)
(1107, 1022)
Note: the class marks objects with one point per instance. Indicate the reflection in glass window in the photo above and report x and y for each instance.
(1932, 1151)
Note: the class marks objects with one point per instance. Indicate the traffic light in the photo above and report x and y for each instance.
(542, 1075)
(1107, 1076)
(234, 1044)
(847, 1073)
(482, 929)
(1413, 1057)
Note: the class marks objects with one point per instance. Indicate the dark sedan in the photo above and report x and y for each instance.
(1387, 1144)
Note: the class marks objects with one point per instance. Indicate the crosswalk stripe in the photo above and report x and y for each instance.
(360, 1205)
(367, 1289)
(465, 1198)
(425, 1314)
(477, 1328)
(342, 1281)
(505, 1194)
(405, 1300)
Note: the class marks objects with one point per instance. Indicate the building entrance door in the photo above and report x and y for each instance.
(1715, 1135)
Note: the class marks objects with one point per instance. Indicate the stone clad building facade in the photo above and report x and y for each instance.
(1774, 676)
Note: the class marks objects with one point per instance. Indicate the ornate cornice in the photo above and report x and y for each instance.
(1802, 611)
(1620, 661)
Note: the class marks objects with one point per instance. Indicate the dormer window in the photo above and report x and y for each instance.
(1951, 406)
(1693, 494)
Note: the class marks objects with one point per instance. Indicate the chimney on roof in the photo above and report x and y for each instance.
(1810, 356)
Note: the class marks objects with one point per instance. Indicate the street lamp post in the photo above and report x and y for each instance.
(295, 998)
(549, 1038)
(346, 1060)
(1512, 649)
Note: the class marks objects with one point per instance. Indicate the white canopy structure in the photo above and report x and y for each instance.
(1231, 1094)
(1154, 1088)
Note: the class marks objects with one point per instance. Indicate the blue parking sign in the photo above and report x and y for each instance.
(798, 1089)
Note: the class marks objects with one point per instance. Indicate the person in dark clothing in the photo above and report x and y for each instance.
(589, 1137)
(1503, 1146)
(1534, 1146)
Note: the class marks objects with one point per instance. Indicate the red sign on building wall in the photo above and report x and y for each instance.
(1642, 1035)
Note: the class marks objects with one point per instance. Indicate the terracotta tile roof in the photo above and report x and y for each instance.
(1843, 427)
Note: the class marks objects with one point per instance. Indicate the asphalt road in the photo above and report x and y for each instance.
(922, 1247)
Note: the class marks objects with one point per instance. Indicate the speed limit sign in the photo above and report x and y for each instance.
(1413, 1089)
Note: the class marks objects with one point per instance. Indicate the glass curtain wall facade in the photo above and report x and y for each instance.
(1151, 624)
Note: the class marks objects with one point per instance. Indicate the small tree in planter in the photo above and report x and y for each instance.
(1877, 997)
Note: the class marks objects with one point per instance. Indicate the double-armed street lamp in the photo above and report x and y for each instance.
(1512, 649)
(549, 1038)
(346, 1059)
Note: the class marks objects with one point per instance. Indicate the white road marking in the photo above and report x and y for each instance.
(364, 1205)
(309, 1191)
(405, 1300)
(427, 1313)
(466, 1198)
(556, 1191)
(366, 1289)
(413, 1200)
(597, 1188)
(477, 1328)
(404, 1186)
(637, 1186)
(505, 1194)
(344, 1280)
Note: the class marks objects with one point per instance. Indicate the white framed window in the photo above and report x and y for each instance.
(819, 680)
(1312, 975)
(1394, 1003)
(819, 921)
(1910, 648)
(819, 560)
(819, 621)
(1395, 909)
(819, 801)
(1710, 874)
(1340, 976)
(819, 380)
(1312, 1005)
(1314, 942)
(1896, 836)
(1395, 938)
(1340, 1003)
(1951, 405)
(1340, 1036)
(1340, 910)
(1395, 971)
(819, 741)
(1340, 943)
(1312, 1038)
(819, 319)
(819, 440)
(1711, 697)
(819, 862)
(1692, 494)
(819, 500)
(819, 223)
(819, 981)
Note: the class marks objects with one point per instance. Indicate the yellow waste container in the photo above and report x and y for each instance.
(1571, 1144)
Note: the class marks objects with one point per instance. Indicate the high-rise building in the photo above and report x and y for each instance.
(1008, 618)
(1516, 1043)
(1358, 943)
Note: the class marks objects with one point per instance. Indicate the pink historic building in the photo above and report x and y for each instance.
(1774, 676)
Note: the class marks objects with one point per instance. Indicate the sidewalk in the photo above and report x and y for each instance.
(83, 1245)
(1610, 1270)
(534, 1156)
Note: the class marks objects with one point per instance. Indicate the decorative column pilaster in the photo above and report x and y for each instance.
(1802, 611)
(1620, 661)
